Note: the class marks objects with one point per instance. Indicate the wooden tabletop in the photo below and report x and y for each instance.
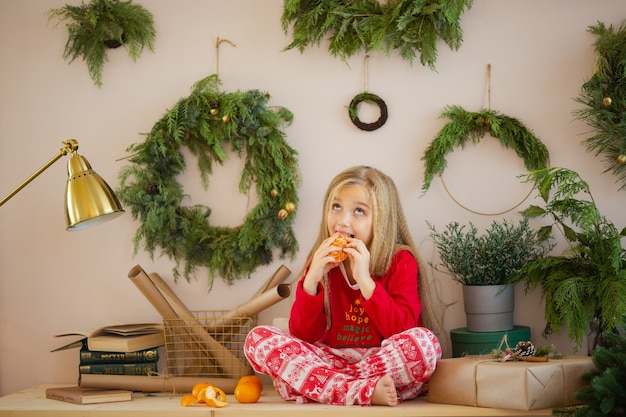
(32, 402)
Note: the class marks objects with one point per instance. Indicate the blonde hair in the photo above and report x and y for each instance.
(390, 228)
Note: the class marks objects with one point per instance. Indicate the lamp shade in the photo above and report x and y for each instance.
(88, 198)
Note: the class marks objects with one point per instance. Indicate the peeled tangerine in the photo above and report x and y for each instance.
(205, 393)
(340, 241)
(215, 397)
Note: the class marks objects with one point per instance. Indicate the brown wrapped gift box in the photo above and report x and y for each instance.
(518, 385)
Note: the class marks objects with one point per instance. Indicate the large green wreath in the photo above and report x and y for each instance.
(604, 97)
(466, 126)
(204, 122)
(408, 26)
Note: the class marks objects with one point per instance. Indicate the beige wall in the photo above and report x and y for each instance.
(52, 280)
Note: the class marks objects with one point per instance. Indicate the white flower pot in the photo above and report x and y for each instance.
(489, 308)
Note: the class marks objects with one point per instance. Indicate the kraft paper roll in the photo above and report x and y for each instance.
(170, 306)
(157, 383)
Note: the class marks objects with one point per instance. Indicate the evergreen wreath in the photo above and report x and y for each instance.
(204, 122)
(409, 26)
(467, 126)
(353, 111)
(604, 97)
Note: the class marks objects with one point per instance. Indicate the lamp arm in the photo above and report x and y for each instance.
(69, 145)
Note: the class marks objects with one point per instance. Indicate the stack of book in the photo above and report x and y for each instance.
(120, 349)
(139, 362)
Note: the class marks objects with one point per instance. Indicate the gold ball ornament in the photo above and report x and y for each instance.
(274, 192)
(607, 101)
(621, 159)
(214, 111)
(226, 119)
(282, 214)
(290, 207)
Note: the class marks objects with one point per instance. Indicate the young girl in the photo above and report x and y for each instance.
(354, 329)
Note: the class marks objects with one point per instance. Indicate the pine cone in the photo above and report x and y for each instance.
(525, 349)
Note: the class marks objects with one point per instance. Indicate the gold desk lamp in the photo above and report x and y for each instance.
(88, 198)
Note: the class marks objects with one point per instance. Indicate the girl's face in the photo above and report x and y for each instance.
(351, 213)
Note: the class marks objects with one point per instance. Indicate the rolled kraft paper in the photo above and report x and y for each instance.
(226, 361)
(147, 287)
(157, 383)
(171, 307)
(250, 308)
(281, 274)
(179, 307)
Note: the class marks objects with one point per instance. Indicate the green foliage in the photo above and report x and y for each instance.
(205, 122)
(465, 127)
(605, 394)
(95, 27)
(604, 97)
(589, 278)
(408, 26)
(491, 258)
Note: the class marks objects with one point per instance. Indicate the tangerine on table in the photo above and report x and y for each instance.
(253, 379)
(247, 392)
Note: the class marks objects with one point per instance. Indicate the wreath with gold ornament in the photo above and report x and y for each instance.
(604, 97)
(204, 122)
(408, 26)
(467, 127)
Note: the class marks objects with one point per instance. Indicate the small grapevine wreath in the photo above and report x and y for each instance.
(408, 26)
(353, 111)
(604, 97)
(204, 122)
(465, 126)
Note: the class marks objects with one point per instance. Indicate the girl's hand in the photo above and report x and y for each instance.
(321, 262)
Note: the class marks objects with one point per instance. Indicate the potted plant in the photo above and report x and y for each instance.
(584, 288)
(99, 25)
(484, 265)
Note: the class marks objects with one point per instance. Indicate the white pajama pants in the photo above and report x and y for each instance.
(313, 372)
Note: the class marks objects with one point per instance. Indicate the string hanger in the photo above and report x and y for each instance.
(366, 75)
(218, 42)
(489, 86)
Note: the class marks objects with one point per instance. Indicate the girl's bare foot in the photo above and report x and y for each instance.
(385, 392)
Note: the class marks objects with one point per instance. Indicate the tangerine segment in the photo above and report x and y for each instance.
(187, 400)
(247, 392)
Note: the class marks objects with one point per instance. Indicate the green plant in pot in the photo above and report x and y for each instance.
(95, 27)
(584, 288)
(485, 263)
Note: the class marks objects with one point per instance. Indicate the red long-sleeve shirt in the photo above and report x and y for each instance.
(394, 306)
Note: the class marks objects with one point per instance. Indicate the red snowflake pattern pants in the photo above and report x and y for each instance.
(313, 372)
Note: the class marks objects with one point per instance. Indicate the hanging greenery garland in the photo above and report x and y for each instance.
(353, 111)
(465, 126)
(408, 26)
(604, 97)
(204, 122)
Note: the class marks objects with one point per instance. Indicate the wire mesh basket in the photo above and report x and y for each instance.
(209, 344)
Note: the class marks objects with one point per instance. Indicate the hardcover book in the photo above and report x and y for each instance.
(88, 357)
(117, 337)
(79, 395)
(119, 368)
